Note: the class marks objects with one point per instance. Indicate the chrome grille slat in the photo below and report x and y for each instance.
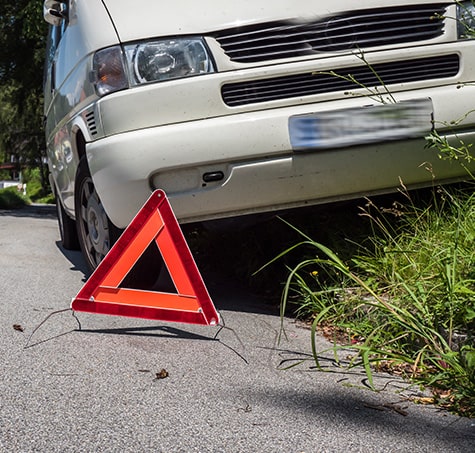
(239, 39)
(309, 84)
(367, 28)
(419, 33)
(390, 27)
(233, 37)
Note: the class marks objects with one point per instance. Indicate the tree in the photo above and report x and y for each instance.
(22, 52)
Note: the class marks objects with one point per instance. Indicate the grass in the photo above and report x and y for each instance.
(35, 191)
(11, 198)
(405, 296)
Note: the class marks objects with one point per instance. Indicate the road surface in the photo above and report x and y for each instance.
(100, 383)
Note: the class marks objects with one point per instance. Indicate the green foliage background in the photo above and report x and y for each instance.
(22, 52)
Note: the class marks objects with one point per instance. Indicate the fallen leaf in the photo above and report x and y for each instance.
(162, 374)
(424, 400)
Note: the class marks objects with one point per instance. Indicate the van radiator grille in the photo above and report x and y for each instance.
(312, 83)
(347, 31)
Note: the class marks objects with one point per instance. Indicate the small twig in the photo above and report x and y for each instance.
(390, 406)
(246, 409)
(397, 409)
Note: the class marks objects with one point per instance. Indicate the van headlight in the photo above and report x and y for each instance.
(466, 20)
(116, 68)
(154, 61)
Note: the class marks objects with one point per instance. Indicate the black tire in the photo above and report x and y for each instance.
(96, 233)
(67, 227)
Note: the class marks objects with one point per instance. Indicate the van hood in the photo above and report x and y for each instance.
(142, 19)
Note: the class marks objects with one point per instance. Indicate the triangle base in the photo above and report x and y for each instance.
(156, 314)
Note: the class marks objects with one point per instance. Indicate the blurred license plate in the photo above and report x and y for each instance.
(356, 126)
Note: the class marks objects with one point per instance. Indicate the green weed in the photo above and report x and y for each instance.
(10, 198)
(36, 188)
(406, 298)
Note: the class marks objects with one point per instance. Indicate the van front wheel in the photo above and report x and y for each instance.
(96, 232)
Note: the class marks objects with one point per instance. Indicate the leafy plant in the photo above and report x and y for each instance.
(35, 186)
(379, 94)
(406, 299)
(22, 44)
(10, 198)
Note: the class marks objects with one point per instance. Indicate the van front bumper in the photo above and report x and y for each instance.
(244, 163)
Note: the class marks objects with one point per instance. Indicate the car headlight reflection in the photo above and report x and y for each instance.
(155, 61)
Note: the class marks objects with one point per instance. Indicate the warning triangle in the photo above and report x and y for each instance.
(102, 293)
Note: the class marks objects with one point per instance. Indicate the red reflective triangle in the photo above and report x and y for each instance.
(154, 222)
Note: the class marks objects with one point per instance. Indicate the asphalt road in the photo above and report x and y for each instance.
(92, 386)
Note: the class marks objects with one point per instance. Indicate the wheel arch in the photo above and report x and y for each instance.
(79, 142)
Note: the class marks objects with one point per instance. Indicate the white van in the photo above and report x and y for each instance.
(248, 106)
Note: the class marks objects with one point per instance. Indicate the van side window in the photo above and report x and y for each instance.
(55, 33)
(52, 43)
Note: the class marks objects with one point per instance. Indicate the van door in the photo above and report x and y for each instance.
(53, 145)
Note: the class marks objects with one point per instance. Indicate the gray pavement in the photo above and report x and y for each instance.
(95, 389)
